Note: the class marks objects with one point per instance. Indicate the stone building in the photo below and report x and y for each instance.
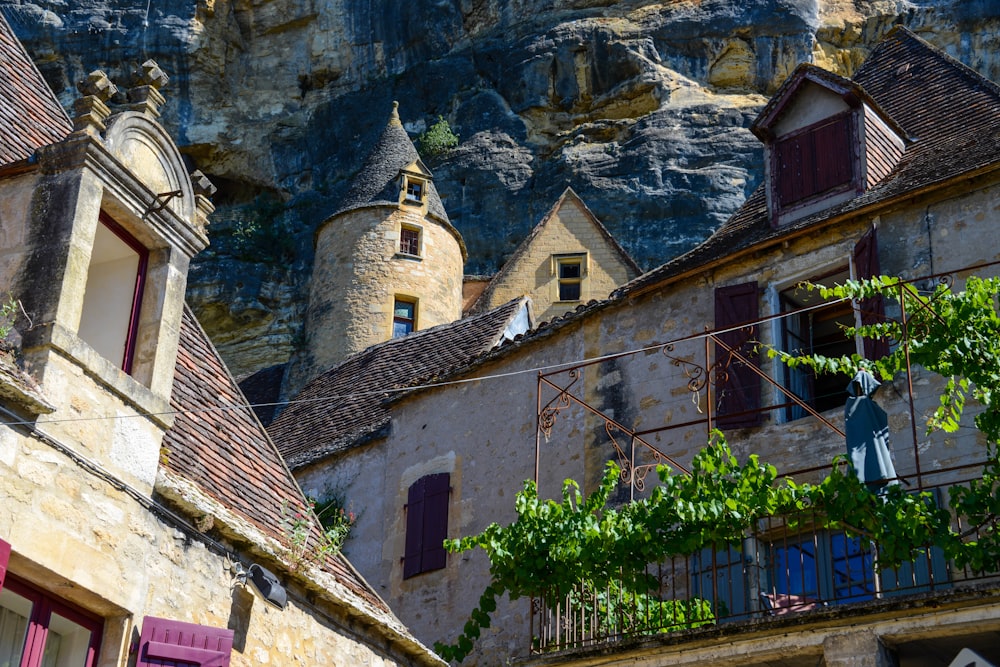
(894, 171)
(140, 499)
(568, 259)
(387, 263)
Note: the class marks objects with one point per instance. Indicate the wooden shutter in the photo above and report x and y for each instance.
(737, 398)
(166, 642)
(426, 524)
(814, 160)
(414, 528)
(873, 309)
(4, 560)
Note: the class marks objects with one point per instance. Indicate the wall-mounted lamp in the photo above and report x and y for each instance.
(263, 582)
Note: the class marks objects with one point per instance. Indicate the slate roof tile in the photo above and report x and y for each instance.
(217, 443)
(346, 404)
(30, 114)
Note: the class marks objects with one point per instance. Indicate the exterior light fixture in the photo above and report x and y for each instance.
(262, 582)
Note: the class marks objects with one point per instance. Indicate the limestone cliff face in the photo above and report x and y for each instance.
(640, 105)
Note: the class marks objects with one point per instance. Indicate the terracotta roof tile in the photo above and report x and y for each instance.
(217, 443)
(30, 114)
(951, 113)
(346, 405)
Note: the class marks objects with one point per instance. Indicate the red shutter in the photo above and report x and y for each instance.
(814, 160)
(165, 642)
(4, 559)
(436, 521)
(738, 396)
(414, 529)
(873, 309)
(426, 524)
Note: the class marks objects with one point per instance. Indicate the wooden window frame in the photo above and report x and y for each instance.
(410, 321)
(426, 512)
(43, 606)
(411, 183)
(410, 240)
(560, 261)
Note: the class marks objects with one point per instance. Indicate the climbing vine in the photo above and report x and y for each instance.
(554, 545)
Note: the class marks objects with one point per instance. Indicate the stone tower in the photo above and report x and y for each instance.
(387, 263)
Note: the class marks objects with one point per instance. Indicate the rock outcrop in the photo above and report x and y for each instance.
(641, 106)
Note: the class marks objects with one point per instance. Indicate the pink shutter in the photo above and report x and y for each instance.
(872, 310)
(437, 491)
(414, 529)
(173, 643)
(4, 560)
(738, 396)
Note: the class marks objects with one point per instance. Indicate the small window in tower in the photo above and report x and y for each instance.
(409, 241)
(414, 190)
(404, 317)
(569, 270)
(113, 296)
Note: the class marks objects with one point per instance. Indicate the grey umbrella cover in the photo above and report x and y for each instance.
(867, 427)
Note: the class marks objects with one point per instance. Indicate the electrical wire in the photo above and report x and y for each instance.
(420, 387)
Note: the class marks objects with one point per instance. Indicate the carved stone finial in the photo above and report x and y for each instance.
(146, 97)
(97, 84)
(394, 116)
(202, 186)
(152, 75)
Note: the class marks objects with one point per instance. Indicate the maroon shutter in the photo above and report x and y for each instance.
(738, 396)
(414, 529)
(436, 521)
(813, 161)
(426, 524)
(165, 642)
(873, 309)
(832, 154)
(4, 560)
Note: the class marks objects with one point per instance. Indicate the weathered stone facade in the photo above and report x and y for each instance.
(643, 358)
(136, 487)
(569, 232)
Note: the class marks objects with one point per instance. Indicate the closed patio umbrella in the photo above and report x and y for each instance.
(867, 427)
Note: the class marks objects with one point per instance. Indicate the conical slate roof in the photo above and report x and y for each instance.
(377, 184)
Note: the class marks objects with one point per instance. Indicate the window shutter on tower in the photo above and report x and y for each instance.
(738, 396)
(426, 524)
(872, 309)
(166, 642)
(4, 560)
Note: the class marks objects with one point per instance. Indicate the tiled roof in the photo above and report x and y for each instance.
(345, 405)
(521, 249)
(217, 443)
(262, 390)
(951, 113)
(30, 115)
(378, 181)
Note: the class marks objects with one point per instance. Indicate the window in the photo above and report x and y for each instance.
(414, 189)
(109, 322)
(807, 569)
(38, 630)
(404, 317)
(811, 328)
(569, 270)
(814, 160)
(409, 240)
(426, 524)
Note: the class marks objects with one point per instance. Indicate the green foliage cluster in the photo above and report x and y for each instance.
(554, 546)
(437, 139)
(309, 545)
(259, 233)
(8, 315)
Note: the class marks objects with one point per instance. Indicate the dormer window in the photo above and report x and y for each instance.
(826, 141)
(109, 322)
(814, 161)
(414, 190)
